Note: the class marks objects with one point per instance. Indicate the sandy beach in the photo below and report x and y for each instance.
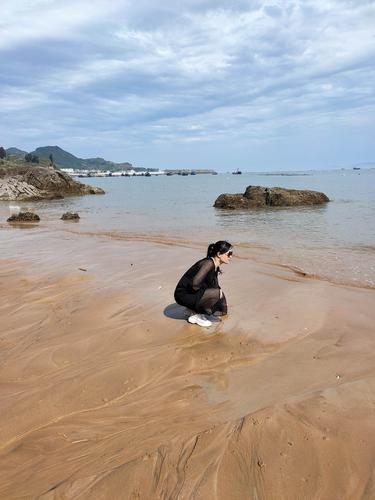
(107, 392)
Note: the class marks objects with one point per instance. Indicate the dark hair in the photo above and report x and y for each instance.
(218, 247)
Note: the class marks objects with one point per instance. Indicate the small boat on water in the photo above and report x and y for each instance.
(237, 172)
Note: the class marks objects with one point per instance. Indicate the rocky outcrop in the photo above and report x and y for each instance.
(15, 188)
(24, 182)
(70, 216)
(258, 196)
(24, 217)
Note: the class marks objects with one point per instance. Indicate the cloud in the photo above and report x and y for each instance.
(24, 22)
(205, 72)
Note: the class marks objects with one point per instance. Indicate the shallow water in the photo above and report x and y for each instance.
(335, 241)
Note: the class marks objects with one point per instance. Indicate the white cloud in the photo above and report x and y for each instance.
(203, 72)
(18, 99)
(27, 21)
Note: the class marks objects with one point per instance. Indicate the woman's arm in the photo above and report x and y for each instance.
(198, 280)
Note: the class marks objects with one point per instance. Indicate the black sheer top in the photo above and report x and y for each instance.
(200, 276)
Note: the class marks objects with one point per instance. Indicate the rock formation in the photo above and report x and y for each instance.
(24, 217)
(70, 216)
(258, 196)
(25, 182)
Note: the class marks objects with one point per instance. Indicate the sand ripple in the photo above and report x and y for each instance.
(104, 396)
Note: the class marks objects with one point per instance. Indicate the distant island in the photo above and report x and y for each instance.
(91, 167)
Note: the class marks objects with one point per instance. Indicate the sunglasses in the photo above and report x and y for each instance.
(229, 253)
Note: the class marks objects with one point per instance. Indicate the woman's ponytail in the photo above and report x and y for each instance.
(211, 250)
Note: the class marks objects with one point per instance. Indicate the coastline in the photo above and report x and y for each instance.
(106, 388)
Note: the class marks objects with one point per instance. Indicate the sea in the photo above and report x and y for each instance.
(334, 241)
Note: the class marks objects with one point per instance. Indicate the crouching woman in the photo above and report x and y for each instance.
(199, 289)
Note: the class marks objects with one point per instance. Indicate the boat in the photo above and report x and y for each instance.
(237, 172)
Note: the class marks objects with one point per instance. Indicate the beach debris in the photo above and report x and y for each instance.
(338, 376)
(82, 269)
(70, 216)
(260, 463)
(24, 217)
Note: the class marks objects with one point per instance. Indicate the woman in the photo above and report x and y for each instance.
(199, 289)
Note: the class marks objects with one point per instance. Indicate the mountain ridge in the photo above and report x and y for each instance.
(64, 159)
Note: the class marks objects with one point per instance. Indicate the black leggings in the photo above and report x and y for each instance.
(209, 302)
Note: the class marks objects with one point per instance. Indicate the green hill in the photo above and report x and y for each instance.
(102, 164)
(63, 159)
(15, 152)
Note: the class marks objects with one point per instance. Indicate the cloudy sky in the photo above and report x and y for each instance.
(255, 84)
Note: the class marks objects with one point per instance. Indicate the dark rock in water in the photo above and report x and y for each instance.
(258, 196)
(70, 216)
(20, 182)
(24, 217)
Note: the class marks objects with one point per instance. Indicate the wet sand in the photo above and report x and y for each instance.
(107, 392)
